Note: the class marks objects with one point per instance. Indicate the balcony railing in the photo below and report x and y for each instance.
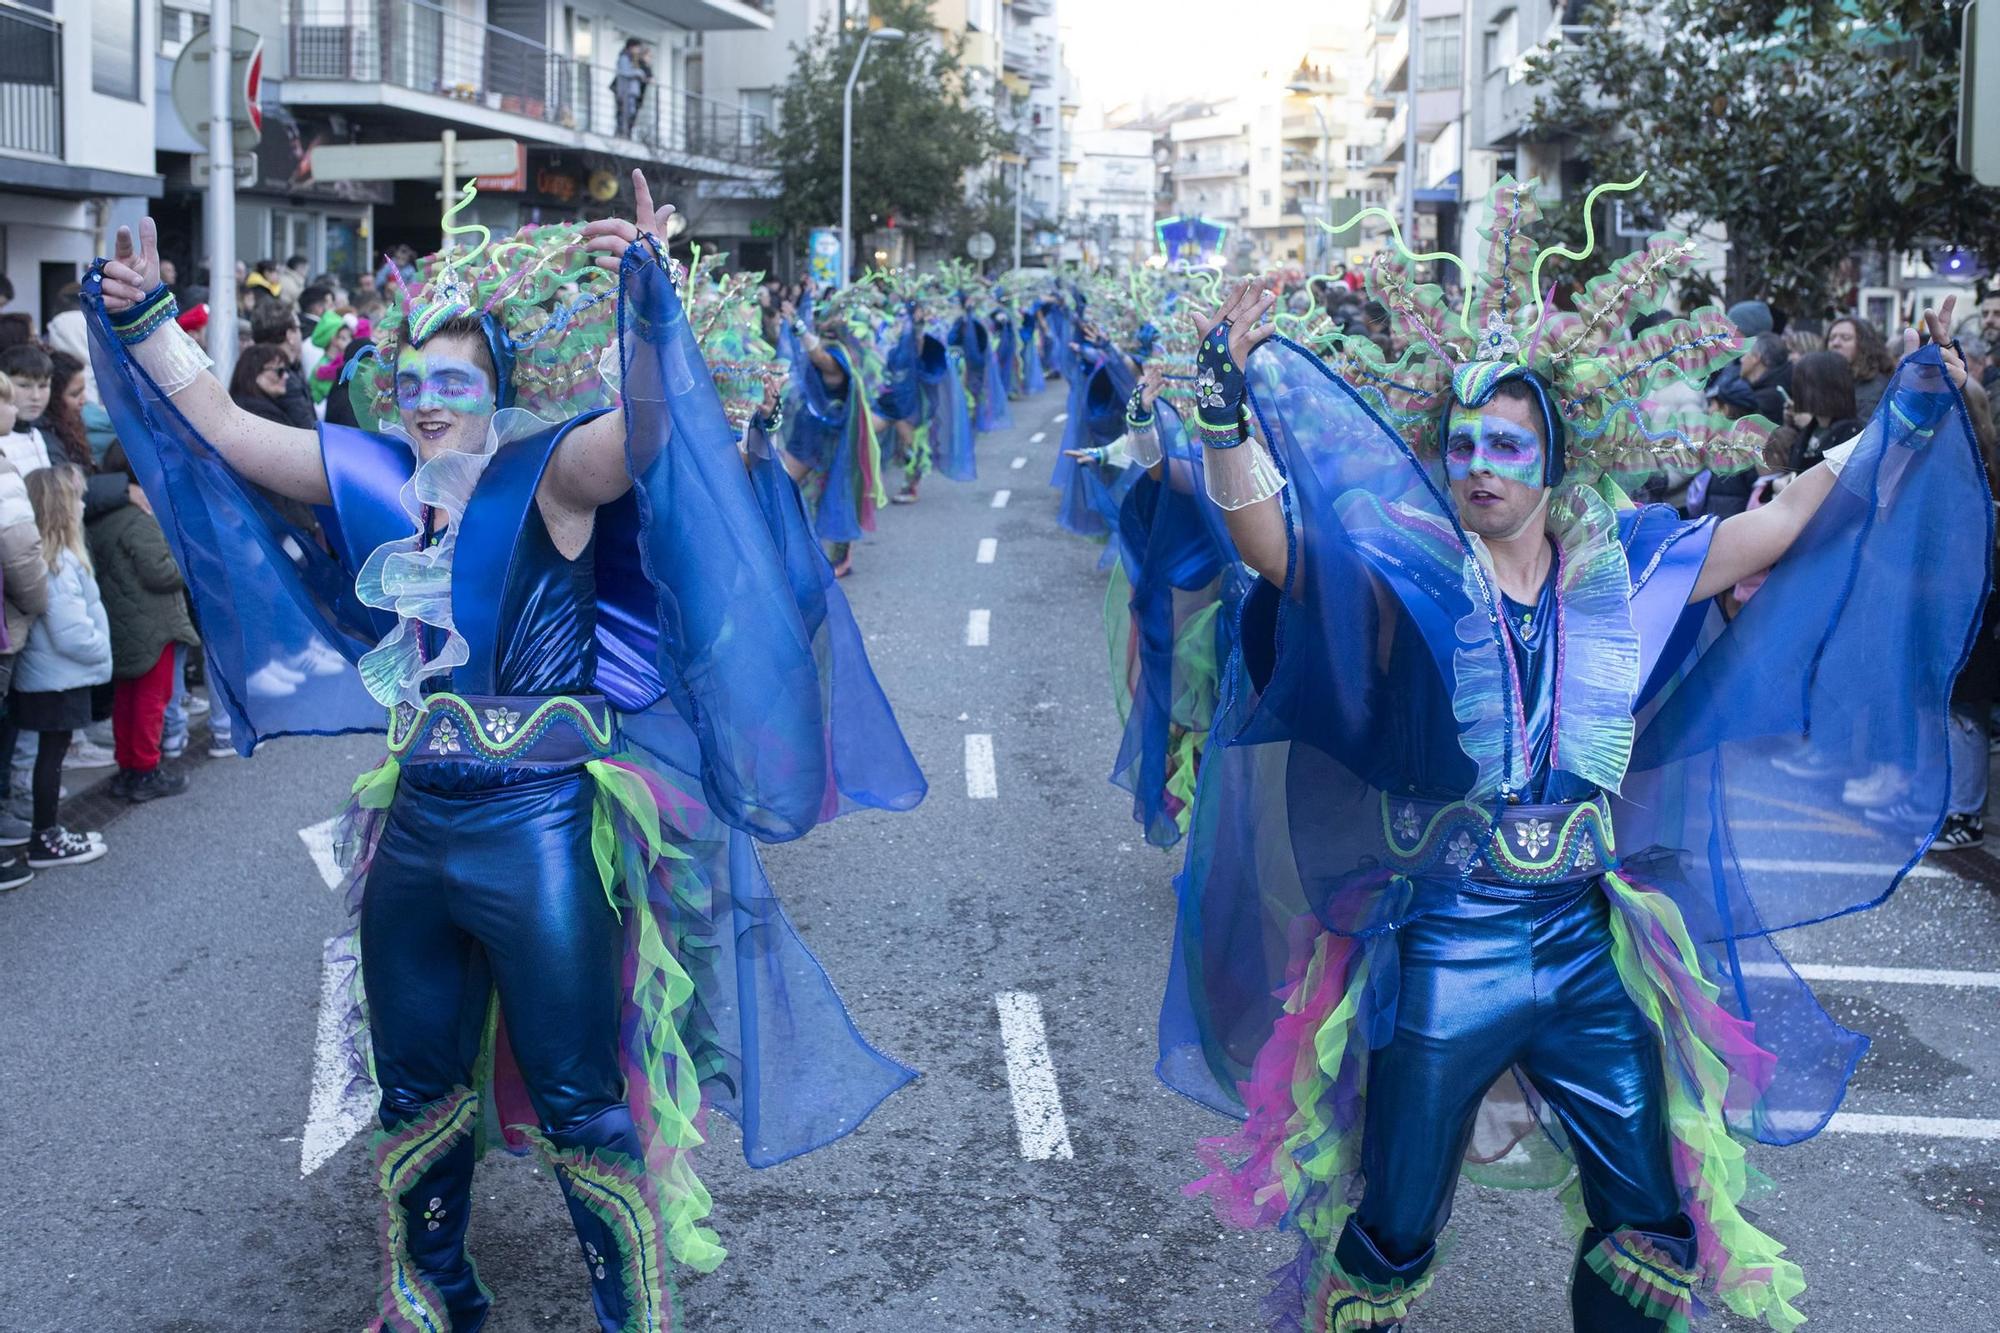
(417, 45)
(31, 58)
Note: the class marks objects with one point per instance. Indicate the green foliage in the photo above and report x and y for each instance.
(1811, 129)
(915, 135)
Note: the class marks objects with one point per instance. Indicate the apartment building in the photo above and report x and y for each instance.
(1111, 200)
(76, 131)
(1416, 90)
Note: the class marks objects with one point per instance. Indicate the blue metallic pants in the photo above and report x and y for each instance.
(1505, 977)
(483, 880)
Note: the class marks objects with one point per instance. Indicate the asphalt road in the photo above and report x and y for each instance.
(158, 1012)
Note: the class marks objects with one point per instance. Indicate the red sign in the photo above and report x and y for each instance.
(515, 180)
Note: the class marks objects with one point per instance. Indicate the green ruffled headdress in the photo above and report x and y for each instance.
(1596, 377)
(548, 312)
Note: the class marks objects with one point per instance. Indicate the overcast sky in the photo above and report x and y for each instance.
(1124, 50)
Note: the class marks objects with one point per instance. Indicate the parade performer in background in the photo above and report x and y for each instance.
(1478, 877)
(973, 335)
(922, 398)
(606, 664)
(830, 426)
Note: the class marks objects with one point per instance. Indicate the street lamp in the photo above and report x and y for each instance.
(1306, 90)
(847, 149)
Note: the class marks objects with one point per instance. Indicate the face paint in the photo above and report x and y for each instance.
(445, 382)
(1477, 442)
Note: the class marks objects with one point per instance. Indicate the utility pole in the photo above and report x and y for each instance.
(220, 211)
(1410, 128)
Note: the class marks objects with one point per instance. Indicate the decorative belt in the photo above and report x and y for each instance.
(1527, 845)
(520, 730)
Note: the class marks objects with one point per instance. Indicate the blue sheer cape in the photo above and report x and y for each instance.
(1378, 673)
(731, 655)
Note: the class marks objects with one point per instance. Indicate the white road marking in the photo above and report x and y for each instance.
(1018, 464)
(978, 628)
(988, 548)
(1001, 497)
(1031, 1077)
(1895, 976)
(336, 1111)
(1038, 437)
(1060, 417)
(1871, 871)
(318, 839)
(982, 783)
(1910, 1126)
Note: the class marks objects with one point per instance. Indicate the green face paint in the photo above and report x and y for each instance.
(442, 381)
(1477, 442)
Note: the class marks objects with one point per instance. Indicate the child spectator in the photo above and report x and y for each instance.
(326, 374)
(25, 579)
(147, 611)
(68, 652)
(29, 367)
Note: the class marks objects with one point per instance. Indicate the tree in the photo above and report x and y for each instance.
(916, 134)
(1810, 129)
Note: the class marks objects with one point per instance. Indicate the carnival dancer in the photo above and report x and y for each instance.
(831, 428)
(606, 663)
(1170, 609)
(1472, 879)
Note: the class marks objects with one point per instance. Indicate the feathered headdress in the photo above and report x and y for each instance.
(1595, 377)
(724, 315)
(548, 313)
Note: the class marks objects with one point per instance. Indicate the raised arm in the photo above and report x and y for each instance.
(588, 468)
(1753, 541)
(1242, 480)
(279, 458)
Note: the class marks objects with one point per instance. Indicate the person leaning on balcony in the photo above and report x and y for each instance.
(629, 82)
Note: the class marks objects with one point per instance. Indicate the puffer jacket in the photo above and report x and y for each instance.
(23, 573)
(70, 646)
(141, 587)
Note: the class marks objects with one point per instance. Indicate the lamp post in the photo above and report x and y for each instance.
(847, 150)
(1307, 91)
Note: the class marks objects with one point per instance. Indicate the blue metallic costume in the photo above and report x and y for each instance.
(566, 939)
(1469, 883)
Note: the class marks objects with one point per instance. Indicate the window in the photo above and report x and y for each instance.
(1438, 64)
(1264, 198)
(114, 48)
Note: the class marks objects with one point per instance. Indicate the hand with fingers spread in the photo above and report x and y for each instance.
(1139, 407)
(1227, 339)
(1937, 329)
(133, 270)
(610, 238)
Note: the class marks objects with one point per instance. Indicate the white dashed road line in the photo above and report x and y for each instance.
(981, 782)
(1894, 976)
(1018, 464)
(1870, 870)
(978, 628)
(1906, 1126)
(1001, 497)
(1038, 437)
(1031, 1077)
(988, 548)
(1060, 417)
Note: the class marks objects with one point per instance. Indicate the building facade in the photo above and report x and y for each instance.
(77, 97)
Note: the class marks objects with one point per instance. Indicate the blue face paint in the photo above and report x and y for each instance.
(1477, 442)
(439, 380)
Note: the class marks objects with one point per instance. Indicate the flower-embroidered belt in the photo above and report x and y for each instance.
(523, 731)
(1521, 845)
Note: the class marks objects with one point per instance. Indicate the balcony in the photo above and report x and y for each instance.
(711, 15)
(1307, 127)
(1032, 9)
(419, 57)
(31, 102)
(1211, 169)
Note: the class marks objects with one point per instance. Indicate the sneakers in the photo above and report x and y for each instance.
(1810, 764)
(1883, 784)
(1961, 833)
(14, 871)
(195, 704)
(1902, 812)
(14, 832)
(221, 749)
(150, 785)
(59, 847)
(86, 753)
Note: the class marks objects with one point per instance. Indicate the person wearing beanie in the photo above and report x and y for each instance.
(1751, 318)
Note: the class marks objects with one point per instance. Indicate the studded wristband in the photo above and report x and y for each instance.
(1220, 435)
